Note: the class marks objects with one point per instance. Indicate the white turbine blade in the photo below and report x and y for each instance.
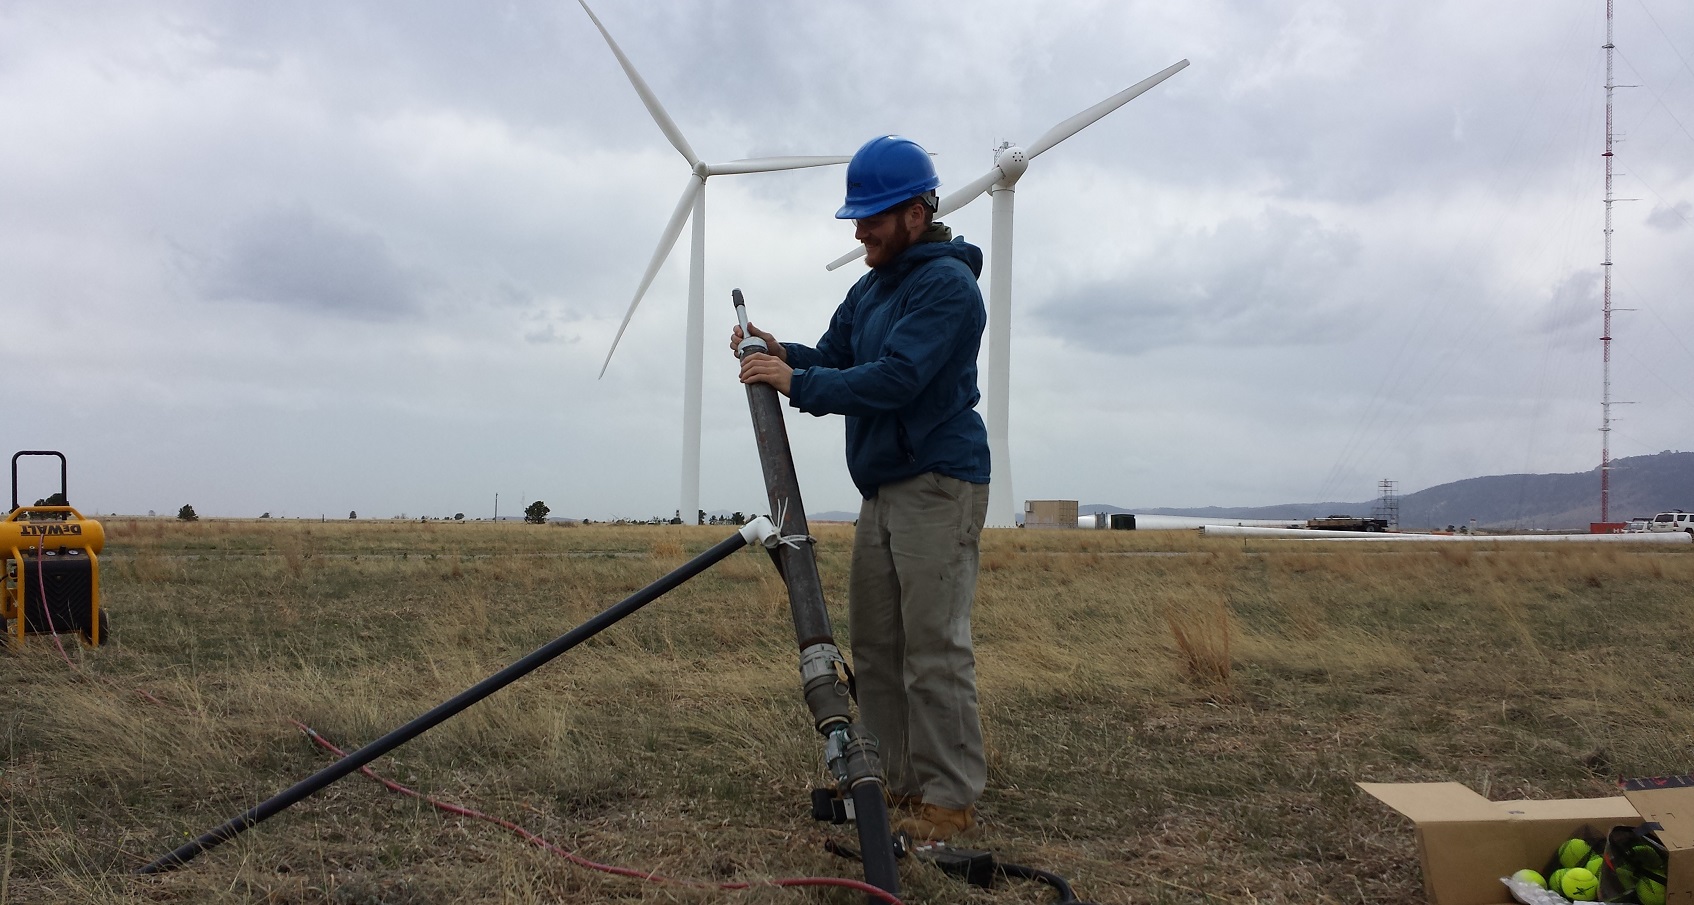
(1088, 117)
(666, 243)
(969, 193)
(847, 258)
(767, 164)
(666, 124)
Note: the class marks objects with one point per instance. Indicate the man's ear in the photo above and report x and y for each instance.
(912, 217)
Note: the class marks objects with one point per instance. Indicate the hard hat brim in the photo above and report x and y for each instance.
(873, 206)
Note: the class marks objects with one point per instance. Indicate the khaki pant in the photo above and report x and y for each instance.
(913, 580)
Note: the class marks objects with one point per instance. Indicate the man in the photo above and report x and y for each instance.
(899, 360)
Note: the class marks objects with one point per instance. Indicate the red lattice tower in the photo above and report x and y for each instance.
(1606, 300)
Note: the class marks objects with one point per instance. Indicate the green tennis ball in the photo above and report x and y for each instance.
(1580, 885)
(1531, 877)
(1556, 879)
(1645, 855)
(1573, 852)
(1626, 877)
(1650, 891)
(1595, 863)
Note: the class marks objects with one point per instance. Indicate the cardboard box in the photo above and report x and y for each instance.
(1466, 843)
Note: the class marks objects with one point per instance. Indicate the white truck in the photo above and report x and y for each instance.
(1674, 520)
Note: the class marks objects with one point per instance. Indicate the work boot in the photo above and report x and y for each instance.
(909, 801)
(934, 823)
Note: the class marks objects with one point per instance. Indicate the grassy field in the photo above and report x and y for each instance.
(1169, 718)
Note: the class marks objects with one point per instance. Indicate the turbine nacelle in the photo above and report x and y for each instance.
(1012, 162)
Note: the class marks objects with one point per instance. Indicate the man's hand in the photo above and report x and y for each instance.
(761, 368)
(776, 349)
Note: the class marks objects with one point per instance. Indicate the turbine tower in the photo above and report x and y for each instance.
(692, 203)
(1000, 182)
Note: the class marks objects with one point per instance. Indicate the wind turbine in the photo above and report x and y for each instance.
(1010, 162)
(693, 202)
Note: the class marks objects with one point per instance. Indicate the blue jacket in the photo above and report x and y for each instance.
(899, 360)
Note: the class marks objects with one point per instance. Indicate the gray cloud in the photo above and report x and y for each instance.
(294, 258)
(1670, 217)
(1572, 310)
(1266, 281)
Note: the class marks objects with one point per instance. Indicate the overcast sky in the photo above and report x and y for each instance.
(309, 258)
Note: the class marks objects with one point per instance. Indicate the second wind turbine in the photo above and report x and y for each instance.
(1000, 182)
(693, 201)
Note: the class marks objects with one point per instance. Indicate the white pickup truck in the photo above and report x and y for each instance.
(1674, 520)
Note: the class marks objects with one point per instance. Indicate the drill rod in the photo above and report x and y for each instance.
(850, 751)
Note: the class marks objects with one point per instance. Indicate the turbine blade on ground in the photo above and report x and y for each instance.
(1087, 117)
(849, 257)
(666, 243)
(666, 124)
(767, 164)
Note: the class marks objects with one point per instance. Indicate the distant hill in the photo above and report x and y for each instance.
(1640, 486)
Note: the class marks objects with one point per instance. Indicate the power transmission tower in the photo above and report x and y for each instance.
(1387, 503)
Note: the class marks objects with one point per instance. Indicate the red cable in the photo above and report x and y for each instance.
(47, 611)
(580, 861)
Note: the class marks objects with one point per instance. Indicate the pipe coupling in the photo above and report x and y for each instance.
(824, 680)
(850, 753)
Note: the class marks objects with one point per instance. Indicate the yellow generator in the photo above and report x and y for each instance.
(52, 566)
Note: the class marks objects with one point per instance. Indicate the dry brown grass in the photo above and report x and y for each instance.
(1169, 718)
(1203, 643)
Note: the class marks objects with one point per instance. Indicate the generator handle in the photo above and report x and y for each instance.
(63, 490)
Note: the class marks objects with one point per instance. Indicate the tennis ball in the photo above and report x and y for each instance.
(1595, 863)
(1531, 877)
(1650, 891)
(1556, 880)
(1579, 885)
(1626, 877)
(1573, 853)
(1645, 855)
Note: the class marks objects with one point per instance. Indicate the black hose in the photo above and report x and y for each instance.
(1060, 885)
(442, 712)
(870, 814)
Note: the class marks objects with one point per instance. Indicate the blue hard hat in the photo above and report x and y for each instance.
(885, 171)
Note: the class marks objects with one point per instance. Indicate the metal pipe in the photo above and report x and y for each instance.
(849, 750)
(756, 532)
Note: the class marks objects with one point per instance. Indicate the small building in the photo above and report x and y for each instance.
(1049, 513)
